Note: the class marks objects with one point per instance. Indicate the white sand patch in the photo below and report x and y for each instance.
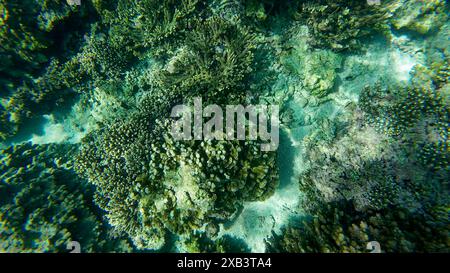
(402, 64)
(53, 132)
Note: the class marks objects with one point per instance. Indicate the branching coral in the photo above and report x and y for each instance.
(32, 34)
(7, 128)
(137, 25)
(36, 97)
(380, 177)
(337, 227)
(150, 185)
(44, 205)
(417, 114)
(98, 61)
(341, 25)
(28, 34)
(21, 43)
(215, 60)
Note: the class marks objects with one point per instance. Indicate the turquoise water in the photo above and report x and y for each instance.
(88, 90)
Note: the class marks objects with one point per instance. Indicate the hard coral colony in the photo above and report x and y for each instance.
(87, 153)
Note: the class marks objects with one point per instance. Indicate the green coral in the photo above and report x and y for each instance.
(35, 98)
(341, 25)
(419, 16)
(44, 205)
(138, 25)
(99, 61)
(32, 33)
(215, 60)
(149, 184)
(336, 227)
(28, 29)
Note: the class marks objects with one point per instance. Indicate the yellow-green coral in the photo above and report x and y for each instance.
(149, 184)
(419, 16)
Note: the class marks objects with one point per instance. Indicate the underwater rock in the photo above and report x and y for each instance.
(317, 69)
(320, 70)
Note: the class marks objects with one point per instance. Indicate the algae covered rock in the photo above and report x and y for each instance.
(320, 71)
(316, 68)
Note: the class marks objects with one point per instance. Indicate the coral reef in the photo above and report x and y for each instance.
(215, 60)
(149, 184)
(372, 162)
(44, 205)
(336, 227)
(361, 186)
(417, 114)
(37, 97)
(418, 16)
(317, 69)
(364, 167)
(35, 36)
(136, 26)
(341, 25)
(28, 35)
(201, 243)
